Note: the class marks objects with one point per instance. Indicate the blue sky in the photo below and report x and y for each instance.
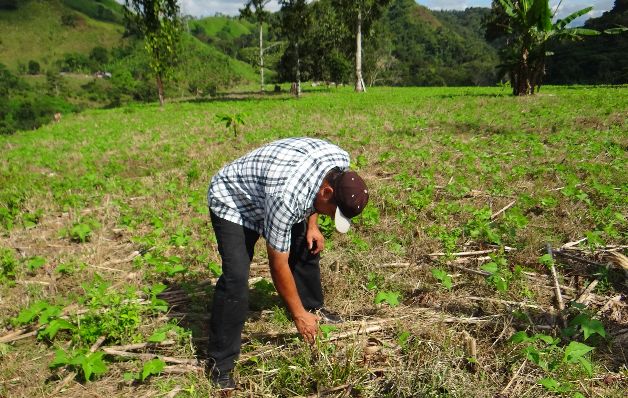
(199, 8)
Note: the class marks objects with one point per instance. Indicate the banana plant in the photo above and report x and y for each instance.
(528, 28)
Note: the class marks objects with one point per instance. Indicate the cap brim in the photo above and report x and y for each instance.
(342, 223)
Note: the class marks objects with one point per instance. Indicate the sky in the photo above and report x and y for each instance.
(203, 8)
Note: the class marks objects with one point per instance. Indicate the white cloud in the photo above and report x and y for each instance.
(566, 7)
(201, 8)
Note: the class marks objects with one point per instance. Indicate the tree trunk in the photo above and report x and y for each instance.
(359, 81)
(522, 76)
(261, 56)
(160, 90)
(298, 74)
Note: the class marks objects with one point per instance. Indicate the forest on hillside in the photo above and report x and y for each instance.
(93, 56)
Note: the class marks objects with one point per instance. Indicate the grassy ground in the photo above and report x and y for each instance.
(105, 234)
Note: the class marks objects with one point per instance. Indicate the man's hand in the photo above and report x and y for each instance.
(307, 325)
(314, 237)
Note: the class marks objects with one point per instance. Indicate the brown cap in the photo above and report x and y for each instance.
(351, 196)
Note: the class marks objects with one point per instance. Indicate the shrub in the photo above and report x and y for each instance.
(33, 67)
(69, 20)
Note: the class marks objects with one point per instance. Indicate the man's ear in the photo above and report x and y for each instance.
(327, 192)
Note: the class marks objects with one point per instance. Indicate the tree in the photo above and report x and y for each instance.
(254, 10)
(9, 4)
(528, 29)
(160, 24)
(294, 23)
(360, 15)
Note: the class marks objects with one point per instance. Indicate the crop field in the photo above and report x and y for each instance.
(108, 258)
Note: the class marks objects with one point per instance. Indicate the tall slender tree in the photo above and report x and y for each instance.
(255, 10)
(294, 23)
(159, 22)
(360, 15)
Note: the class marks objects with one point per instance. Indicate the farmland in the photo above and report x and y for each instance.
(107, 255)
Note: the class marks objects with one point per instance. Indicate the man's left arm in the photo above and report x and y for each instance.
(314, 237)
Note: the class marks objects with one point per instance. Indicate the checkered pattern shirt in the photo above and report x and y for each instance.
(272, 188)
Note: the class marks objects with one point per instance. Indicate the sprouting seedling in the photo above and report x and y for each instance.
(231, 120)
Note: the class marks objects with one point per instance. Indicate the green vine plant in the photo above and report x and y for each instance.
(547, 353)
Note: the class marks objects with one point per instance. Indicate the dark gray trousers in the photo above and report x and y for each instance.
(231, 296)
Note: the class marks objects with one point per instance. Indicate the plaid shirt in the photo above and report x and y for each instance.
(272, 188)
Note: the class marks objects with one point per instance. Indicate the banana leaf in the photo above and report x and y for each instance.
(561, 23)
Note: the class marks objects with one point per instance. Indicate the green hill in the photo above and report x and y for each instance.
(44, 30)
(433, 48)
(222, 26)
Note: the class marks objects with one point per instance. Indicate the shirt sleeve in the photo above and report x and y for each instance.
(279, 218)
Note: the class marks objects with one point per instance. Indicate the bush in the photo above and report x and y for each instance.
(33, 67)
(70, 20)
(8, 81)
(75, 62)
(99, 55)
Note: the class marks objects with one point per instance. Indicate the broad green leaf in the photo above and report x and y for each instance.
(35, 263)
(97, 365)
(544, 338)
(29, 314)
(327, 330)
(500, 283)
(615, 31)
(81, 232)
(549, 383)
(546, 260)
(443, 277)
(152, 367)
(586, 365)
(215, 268)
(51, 311)
(55, 325)
(519, 337)
(576, 350)
(87, 369)
(61, 358)
(589, 326)
(392, 298)
(157, 337)
(561, 23)
(491, 267)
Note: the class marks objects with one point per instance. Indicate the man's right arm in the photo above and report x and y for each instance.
(306, 322)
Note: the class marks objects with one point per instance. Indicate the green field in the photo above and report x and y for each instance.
(104, 233)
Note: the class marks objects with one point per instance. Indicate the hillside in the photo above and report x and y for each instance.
(438, 48)
(44, 30)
